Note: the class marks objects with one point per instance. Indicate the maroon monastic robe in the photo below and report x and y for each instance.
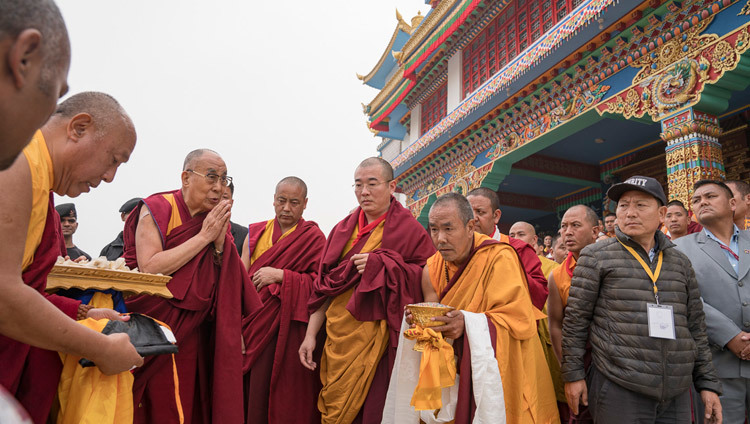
(278, 389)
(205, 316)
(29, 373)
(392, 279)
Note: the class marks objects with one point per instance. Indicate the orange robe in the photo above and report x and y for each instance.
(563, 275)
(494, 283)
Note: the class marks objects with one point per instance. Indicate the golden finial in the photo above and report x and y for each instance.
(397, 56)
(399, 18)
(415, 21)
(360, 77)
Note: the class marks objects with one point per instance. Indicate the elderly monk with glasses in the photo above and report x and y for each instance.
(184, 233)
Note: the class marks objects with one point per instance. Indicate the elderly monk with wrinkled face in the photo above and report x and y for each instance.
(35, 53)
(82, 144)
(483, 279)
(184, 233)
(370, 269)
(282, 258)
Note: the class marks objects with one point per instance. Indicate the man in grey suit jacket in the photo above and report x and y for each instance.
(720, 255)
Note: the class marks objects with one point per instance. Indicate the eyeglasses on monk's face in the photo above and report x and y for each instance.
(212, 178)
(358, 186)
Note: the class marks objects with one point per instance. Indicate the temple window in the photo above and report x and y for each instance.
(434, 108)
(514, 29)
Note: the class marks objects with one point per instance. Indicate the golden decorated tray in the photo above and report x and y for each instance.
(129, 282)
(422, 312)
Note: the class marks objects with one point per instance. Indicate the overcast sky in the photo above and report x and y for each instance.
(270, 85)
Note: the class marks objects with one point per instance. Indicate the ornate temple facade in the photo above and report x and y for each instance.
(549, 102)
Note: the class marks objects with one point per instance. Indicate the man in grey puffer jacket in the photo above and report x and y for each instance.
(635, 298)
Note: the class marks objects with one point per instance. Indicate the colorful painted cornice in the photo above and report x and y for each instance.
(522, 63)
(573, 93)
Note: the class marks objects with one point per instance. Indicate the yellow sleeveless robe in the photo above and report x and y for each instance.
(487, 286)
(42, 177)
(351, 352)
(265, 241)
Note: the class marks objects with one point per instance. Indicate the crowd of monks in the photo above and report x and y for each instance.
(287, 325)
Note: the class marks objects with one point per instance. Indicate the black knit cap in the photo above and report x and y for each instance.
(129, 205)
(67, 210)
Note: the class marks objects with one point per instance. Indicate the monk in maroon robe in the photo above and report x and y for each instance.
(487, 213)
(282, 257)
(70, 153)
(184, 233)
(370, 270)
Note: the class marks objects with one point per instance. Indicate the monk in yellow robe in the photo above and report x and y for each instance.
(82, 144)
(483, 279)
(370, 269)
(526, 232)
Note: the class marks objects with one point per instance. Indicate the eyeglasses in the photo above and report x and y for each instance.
(214, 178)
(370, 186)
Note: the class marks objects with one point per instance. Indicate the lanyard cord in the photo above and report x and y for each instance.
(653, 276)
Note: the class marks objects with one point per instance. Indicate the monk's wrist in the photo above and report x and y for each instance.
(83, 311)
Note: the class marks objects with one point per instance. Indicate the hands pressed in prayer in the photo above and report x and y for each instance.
(266, 276)
(216, 222)
(576, 392)
(454, 324)
(306, 350)
(360, 261)
(712, 407)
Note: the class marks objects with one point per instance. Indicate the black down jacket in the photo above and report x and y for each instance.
(608, 296)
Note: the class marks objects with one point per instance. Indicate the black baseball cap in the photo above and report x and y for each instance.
(129, 205)
(67, 210)
(637, 182)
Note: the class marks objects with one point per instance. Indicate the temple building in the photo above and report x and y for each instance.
(549, 102)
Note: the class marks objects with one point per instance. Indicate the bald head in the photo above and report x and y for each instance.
(34, 62)
(44, 16)
(195, 156)
(385, 166)
(107, 113)
(579, 228)
(524, 231)
(455, 200)
(293, 182)
(588, 214)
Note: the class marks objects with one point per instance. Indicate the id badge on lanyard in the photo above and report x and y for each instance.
(660, 317)
(660, 321)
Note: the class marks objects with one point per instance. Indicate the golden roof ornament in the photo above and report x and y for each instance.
(415, 21)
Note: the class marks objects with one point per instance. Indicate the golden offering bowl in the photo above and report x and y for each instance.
(422, 312)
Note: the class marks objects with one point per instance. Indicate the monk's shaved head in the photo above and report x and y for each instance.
(293, 181)
(107, 113)
(524, 226)
(488, 194)
(589, 214)
(193, 157)
(385, 166)
(44, 16)
(524, 231)
(457, 201)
